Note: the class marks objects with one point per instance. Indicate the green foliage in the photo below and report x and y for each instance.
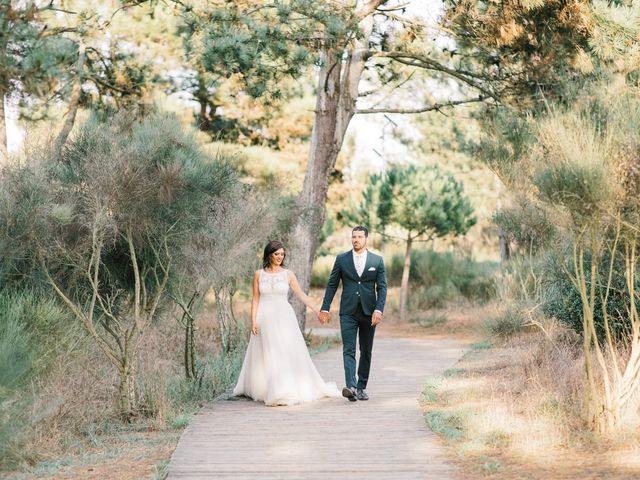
(536, 45)
(425, 201)
(505, 323)
(45, 324)
(321, 270)
(31, 62)
(506, 142)
(582, 162)
(561, 299)
(113, 223)
(449, 425)
(32, 334)
(147, 178)
(430, 391)
(582, 189)
(39, 59)
(451, 274)
(263, 45)
(16, 351)
(219, 372)
(528, 224)
(375, 208)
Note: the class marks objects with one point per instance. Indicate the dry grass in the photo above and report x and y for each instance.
(513, 410)
(76, 432)
(74, 417)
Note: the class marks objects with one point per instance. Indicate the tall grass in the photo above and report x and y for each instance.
(16, 360)
(32, 334)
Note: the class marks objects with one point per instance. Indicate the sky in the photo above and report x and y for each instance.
(15, 134)
(375, 143)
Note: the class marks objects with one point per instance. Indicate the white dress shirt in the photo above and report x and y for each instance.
(359, 260)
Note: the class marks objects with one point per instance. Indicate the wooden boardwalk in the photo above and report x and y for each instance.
(383, 438)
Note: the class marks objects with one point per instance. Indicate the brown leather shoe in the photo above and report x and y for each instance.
(361, 394)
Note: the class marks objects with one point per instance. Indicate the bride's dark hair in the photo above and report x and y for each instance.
(272, 246)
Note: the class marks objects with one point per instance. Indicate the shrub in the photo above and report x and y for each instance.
(508, 321)
(30, 331)
(561, 300)
(443, 276)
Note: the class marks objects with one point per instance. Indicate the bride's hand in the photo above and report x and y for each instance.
(254, 329)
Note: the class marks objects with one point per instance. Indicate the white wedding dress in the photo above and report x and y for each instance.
(277, 368)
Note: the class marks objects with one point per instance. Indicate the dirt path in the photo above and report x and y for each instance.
(383, 438)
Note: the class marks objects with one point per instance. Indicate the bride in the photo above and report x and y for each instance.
(277, 368)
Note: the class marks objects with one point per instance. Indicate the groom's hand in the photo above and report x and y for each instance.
(324, 317)
(375, 318)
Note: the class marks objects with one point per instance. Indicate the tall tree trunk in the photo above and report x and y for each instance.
(4, 152)
(404, 285)
(74, 100)
(337, 88)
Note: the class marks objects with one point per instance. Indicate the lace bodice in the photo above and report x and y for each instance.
(273, 285)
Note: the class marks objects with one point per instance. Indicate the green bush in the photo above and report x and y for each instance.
(562, 300)
(30, 330)
(505, 323)
(17, 356)
(438, 277)
(434, 296)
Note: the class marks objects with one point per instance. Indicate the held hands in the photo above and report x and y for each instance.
(375, 318)
(324, 317)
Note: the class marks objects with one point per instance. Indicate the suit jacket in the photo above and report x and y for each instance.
(370, 290)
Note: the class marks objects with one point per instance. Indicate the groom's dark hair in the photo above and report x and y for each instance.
(360, 228)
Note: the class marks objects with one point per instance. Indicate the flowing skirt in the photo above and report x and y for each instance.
(277, 368)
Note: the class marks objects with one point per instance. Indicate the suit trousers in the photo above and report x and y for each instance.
(355, 325)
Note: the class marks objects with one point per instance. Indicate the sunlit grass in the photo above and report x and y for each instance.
(515, 405)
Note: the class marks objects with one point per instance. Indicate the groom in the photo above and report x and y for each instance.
(364, 292)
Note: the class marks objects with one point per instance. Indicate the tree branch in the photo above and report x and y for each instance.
(108, 86)
(392, 16)
(368, 8)
(429, 108)
(394, 8)
(136, 276)
(397, 86)
(420, 61)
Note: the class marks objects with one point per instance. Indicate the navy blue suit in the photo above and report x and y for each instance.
(361, 296)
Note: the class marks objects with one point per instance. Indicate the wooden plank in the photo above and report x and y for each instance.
(384, 438)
